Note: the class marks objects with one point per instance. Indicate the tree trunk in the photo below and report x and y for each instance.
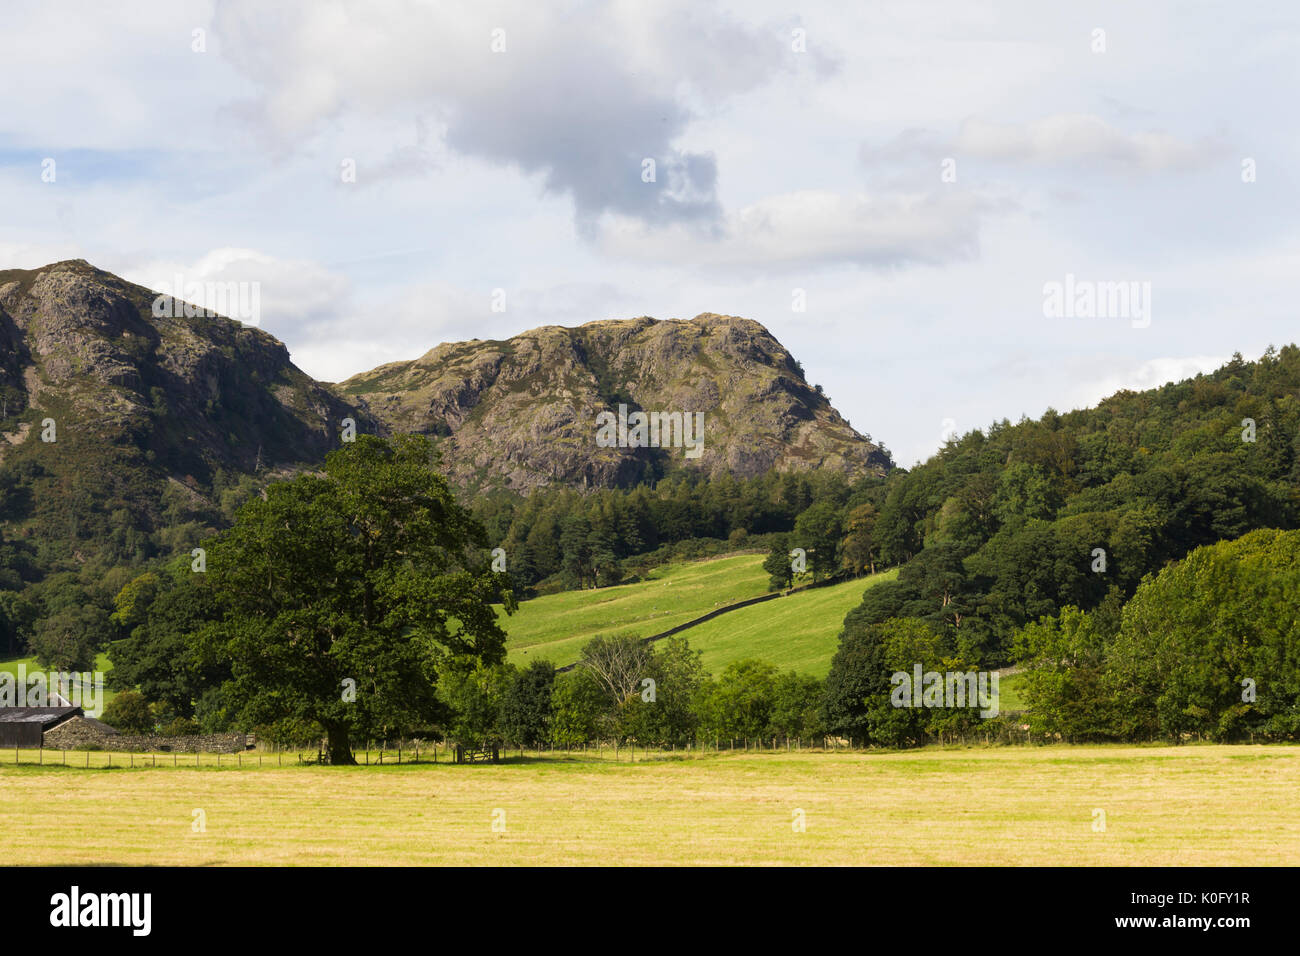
(340, 747)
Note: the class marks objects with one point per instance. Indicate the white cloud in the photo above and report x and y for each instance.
(1067, 138)
(1139, 375)
(294, 294)
(812, 229)
(1058, 140)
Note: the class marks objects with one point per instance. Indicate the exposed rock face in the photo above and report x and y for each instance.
(523, 412)
(148, 409)
(82, 346)
(145, 414)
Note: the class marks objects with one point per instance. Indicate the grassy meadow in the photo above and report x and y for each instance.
(556, 626)
(102, 664)
(799, 632)
(1186, 806)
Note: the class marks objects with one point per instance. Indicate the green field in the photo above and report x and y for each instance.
(102, 664)
(1010, 695)
(555, 627)
(1185, 806)
(799, 632)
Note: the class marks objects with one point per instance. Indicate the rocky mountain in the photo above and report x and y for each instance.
(523, 412)
(144, 411)
(126, 434)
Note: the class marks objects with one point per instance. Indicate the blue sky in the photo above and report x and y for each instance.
(785, 161)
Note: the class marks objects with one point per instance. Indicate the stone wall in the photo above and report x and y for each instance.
(77, 732)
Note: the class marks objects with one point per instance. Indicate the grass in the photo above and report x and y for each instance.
(555, 627)
(1010, 692)
(102, 664)
(1184, 806)
(800, 632)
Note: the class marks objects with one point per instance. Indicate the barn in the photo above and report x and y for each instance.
(26, 726)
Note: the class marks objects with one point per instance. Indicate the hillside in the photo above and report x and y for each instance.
(1014, 522)
(556, 626)
(163, 424)
(798, 632)
(521, 413)
(148, 414)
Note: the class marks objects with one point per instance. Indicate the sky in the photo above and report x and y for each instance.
(897, 191)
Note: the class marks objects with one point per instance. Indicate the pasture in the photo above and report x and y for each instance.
(556, 626)
(799, 632)
(1185, 806)
(10, 665)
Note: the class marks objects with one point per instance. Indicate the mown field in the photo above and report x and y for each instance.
(799, 632)
(1192, 805)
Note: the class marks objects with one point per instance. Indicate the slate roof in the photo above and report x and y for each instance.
(46, 716)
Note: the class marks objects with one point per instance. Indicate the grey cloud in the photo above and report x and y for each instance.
(580, 97)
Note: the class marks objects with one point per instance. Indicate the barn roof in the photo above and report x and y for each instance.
(46, 716)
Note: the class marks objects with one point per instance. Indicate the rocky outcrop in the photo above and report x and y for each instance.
(83, 347)
(116, 423)
(150, 409)
(522, 413)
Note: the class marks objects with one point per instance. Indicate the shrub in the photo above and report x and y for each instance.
(129, 712)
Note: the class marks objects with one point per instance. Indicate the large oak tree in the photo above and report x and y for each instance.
(343, 594)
